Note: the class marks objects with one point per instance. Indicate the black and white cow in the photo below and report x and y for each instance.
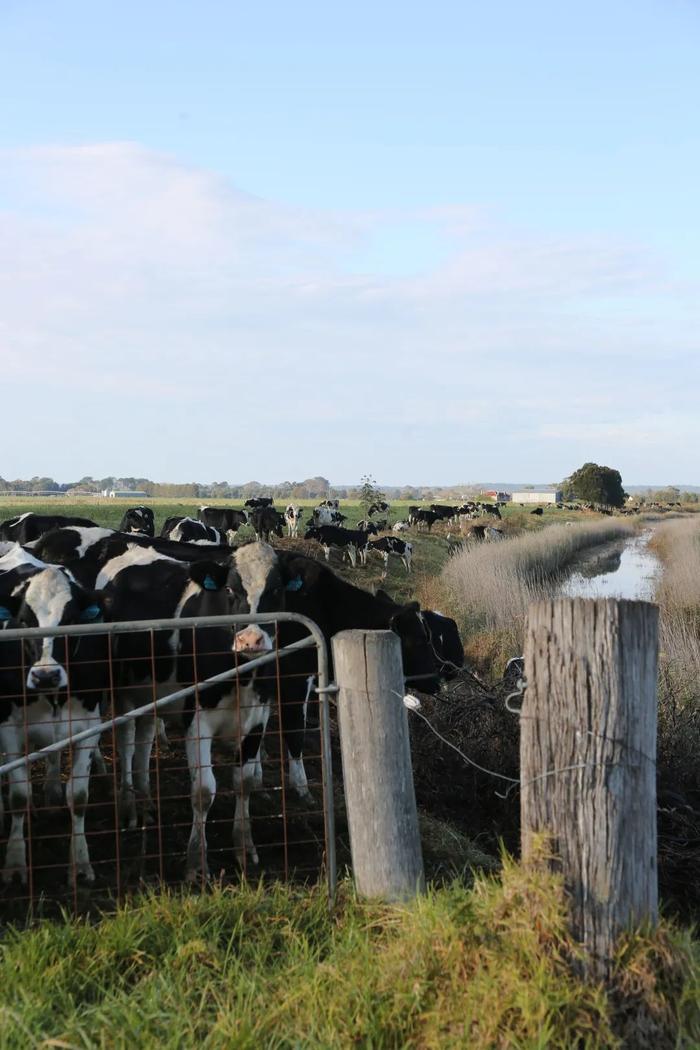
(351, 541)
(370, 527)
(225, 519)
(30, 526)
(400, 526)
(425, 518)
(267, 522)
(51, 688)
(259, 501)
(327, 516)
(293, 516)
(139, 520)
(144, 584)
(388, 545)
(332, 504)
(382, 507)
(189, 530)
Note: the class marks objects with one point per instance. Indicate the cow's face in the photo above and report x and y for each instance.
(51, 598)
(255, 580)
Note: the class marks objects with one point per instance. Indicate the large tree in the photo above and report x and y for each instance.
(596, 484)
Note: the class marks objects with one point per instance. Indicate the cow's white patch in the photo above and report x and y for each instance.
(17, 556)
(254, 563)
(89, 536)
(133, 556)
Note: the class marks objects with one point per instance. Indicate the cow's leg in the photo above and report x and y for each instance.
(77, 793)
(143, 746)
(294, 730)
(327, 552)
(126, 737)
(352, 554)
(230, 537)
(198, 741)
(20, 799)
(245, 777)
(53, 788)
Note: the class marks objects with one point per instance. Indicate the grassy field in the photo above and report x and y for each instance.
(481, 966)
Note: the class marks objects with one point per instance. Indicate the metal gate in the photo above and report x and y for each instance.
(152, 845)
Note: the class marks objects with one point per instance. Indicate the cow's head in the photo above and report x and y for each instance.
(50, 597)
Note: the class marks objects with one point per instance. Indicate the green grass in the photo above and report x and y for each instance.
(486, 966)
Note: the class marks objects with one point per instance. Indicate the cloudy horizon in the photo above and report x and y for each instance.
(197, 282)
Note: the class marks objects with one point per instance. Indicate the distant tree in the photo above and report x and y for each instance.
(369, 493)
(595, 484)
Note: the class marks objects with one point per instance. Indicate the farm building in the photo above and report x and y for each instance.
(498, 497)
(537, 497)
(125, 494)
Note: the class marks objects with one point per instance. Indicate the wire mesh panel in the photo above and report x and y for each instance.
(162, 753)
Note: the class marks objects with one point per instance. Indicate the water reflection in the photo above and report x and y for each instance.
(627, 571)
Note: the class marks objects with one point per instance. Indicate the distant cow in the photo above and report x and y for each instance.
(267, 522)
(351, 541)
(538, 511)
(30, 526)
(259, 501)
(399, 526)
(425, 518)
(292, 516)
(323, 515)
(139, 520)
(332, 504)
(378, 508)
(370, 527)
(189, 530)
(225, 519)
(393, 545)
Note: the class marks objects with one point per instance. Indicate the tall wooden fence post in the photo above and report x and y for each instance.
(379, 794)
(588, 761)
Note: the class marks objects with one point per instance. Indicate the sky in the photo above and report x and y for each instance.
(438, 243)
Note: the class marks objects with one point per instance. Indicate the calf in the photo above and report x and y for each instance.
(139, 520)
(393, 545)
(51, 687)
(293, 516)
(267, 522)
(30, 526)
(225, 519)
(351, 541)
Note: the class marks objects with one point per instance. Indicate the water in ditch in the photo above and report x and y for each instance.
(627, 569)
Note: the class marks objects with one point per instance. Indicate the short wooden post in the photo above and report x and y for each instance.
(379, 794)
(588, 761)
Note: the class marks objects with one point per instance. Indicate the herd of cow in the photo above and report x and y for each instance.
(57, 571)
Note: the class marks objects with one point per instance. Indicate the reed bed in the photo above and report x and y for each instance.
(490, 585)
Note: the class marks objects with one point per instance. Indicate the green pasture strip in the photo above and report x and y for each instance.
(256, 966)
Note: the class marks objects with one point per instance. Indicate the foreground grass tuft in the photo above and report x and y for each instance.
(486, 966)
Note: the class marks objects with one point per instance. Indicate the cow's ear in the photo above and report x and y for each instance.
(93, 604)
(209, 574)
(300, 574)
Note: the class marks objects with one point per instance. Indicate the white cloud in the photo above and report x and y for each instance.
(127, 277)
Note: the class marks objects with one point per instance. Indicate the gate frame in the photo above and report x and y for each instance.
(323, 690)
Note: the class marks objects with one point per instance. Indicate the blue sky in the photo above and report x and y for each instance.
(441, 243)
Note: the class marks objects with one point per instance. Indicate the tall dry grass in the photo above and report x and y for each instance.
(490, 585)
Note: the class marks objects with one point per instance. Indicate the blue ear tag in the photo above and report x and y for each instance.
(5, 613)
(295, 585)
(209, 584)
(90, 612)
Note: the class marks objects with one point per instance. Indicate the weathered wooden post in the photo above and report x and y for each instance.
(379, 795)
(588, 760)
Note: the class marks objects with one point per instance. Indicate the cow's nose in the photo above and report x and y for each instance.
(45, 678)
(252, 640)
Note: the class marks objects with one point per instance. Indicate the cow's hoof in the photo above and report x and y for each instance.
(81, 873)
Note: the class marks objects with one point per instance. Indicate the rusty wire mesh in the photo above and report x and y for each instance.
(293, 836)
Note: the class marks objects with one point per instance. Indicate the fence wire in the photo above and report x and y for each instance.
(132, 774)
